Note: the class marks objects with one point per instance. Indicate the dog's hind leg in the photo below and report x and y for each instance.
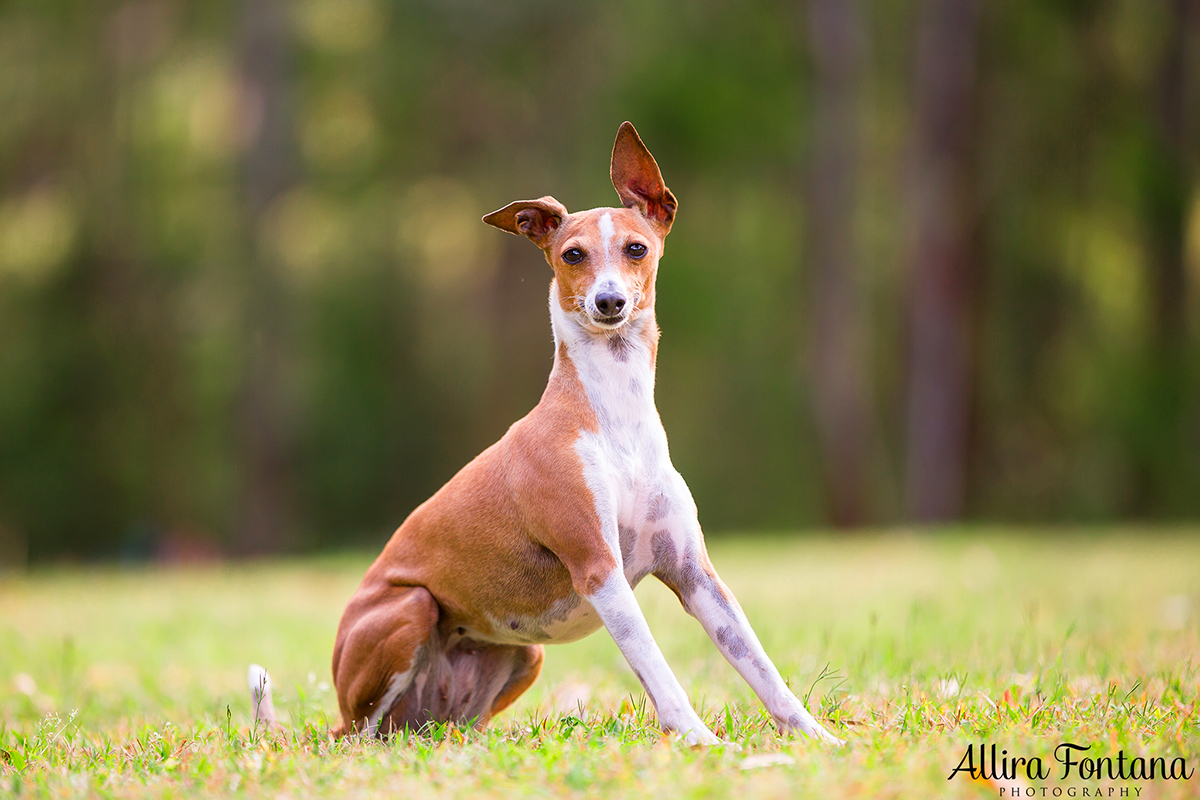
(468, 683)
(385, 643)
(488, 678)
(527, 665)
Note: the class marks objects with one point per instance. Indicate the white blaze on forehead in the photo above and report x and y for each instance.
(607, 231)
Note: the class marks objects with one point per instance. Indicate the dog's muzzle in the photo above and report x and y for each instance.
(608, 309)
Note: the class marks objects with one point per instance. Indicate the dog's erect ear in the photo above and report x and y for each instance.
(537, 219)
(637, 180)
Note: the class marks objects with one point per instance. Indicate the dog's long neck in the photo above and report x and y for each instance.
(615, 368)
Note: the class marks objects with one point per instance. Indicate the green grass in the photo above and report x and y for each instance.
(132, 682)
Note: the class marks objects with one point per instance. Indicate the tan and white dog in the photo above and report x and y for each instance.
(542, 537)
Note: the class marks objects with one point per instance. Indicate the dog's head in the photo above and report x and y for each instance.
(605, 260)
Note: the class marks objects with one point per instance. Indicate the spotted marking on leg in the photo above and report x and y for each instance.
(628, 538)
(659, 506)
(734, 645)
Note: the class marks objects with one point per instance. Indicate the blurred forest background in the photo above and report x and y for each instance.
(934, 260)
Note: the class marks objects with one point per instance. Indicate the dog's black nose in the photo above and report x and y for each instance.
(610, 304)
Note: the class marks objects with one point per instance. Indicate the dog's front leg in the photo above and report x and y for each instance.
(618, 609)
(681, 562)
(710, 601)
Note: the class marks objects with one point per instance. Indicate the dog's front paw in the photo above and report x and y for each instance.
(801, 721)
(700, 736)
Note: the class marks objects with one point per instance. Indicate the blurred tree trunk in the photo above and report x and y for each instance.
(840, 385)
(265, 521)
(942, 202)
(1171, 180)
(1167, 179)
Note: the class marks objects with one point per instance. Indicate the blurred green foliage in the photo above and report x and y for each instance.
(405, 335)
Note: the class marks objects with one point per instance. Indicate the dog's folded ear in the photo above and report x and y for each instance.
(637, 180)
(537, 219)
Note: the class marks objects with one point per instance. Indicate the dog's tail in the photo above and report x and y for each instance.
(260, 695)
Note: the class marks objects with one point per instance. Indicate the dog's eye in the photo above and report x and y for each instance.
(573, 256)
(635, 249)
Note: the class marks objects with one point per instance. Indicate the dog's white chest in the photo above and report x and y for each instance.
(626, 461)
